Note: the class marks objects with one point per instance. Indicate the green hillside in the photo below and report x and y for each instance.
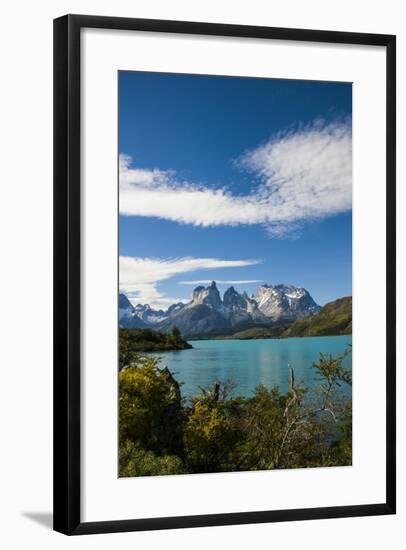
(258, 332)
(136, 340)
(333, 319)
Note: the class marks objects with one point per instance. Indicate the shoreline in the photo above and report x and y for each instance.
(218, 338)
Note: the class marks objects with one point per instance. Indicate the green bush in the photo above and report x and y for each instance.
(135, 461)
(135, 340)
(162, 434)
(149, 406)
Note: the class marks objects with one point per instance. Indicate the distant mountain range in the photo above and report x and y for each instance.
(207, 312)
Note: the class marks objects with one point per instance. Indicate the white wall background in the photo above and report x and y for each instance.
(26, 283)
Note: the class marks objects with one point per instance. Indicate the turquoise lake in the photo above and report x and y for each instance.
(251, 362)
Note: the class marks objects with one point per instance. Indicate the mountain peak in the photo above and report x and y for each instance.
(285, 301)
(124, 302)
(207, 311)
(198, 288)
(232, 299)
(230, 290)
(209, 296)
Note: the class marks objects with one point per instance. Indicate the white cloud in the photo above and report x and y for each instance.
(300, 176)
(131, 178)
(208, 281)
(139, 277)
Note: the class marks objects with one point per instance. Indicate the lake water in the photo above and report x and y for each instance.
(251, 362)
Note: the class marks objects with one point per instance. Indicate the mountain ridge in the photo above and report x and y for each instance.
(207, 311)
(334, 319)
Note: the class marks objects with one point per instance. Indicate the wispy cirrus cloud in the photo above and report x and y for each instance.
(140, 277)
(299, 176)
(220, 282)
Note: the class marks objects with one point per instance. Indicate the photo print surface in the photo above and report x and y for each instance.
(235, 274)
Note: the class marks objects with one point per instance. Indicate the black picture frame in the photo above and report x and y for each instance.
(67, 265)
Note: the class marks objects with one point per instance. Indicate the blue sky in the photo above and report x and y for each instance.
(233, 179)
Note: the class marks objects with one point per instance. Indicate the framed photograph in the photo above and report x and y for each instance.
(224, 304)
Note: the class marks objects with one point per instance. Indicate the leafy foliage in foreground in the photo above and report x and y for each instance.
(160, 433)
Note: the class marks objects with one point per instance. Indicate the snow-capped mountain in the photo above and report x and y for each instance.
(149, 315)
(127, 315)
(207, 312)
(241, 308)
(125, 307)
(209, 296)
(285, 302)
(142, 315)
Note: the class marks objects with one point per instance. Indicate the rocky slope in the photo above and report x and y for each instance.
(127, 315)
(282, 302)
(142, 315)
